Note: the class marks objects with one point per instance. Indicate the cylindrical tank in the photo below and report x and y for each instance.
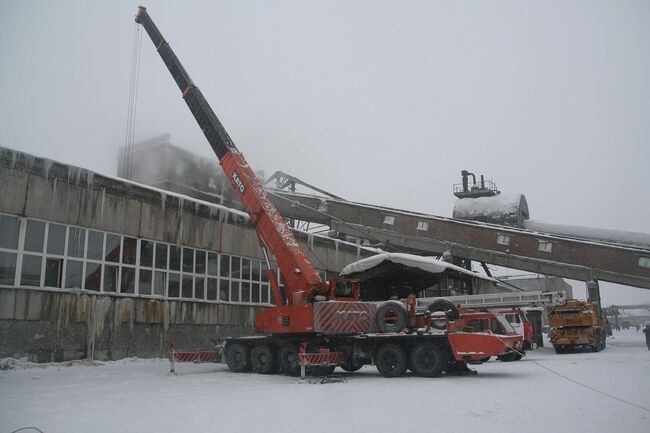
(504, 209)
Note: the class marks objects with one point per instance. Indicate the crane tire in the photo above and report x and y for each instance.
(288, 359)
(391, 360)
(391, 317)
(445, 305)
(238, 357)
(263, 359)
(427, 359)
(351, 368)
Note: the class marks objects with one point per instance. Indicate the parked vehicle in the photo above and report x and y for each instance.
(576, 326)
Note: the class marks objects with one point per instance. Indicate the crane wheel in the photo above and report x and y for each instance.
(288, 357)
(237, 357)
(391, 360)
(427, 360)
(446, 306)
(351, 368)
(391, 317)
(263, 359)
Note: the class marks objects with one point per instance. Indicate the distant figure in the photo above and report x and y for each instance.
(637, 326)
(646, 331)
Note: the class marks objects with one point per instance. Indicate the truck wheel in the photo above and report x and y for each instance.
(391, 360)
(391, 317)
(237, 357)
(518, 356)
(559, 349)
(263, 359)
(427, 360)
(507, 357)
(445, 305)
(288, 355)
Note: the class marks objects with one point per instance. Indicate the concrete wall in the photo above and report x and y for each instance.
(58, 324)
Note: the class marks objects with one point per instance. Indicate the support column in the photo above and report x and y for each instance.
(593, 294)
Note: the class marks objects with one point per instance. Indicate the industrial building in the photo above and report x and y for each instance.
(101, 267)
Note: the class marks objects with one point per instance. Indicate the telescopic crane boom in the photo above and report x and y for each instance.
(302, 280)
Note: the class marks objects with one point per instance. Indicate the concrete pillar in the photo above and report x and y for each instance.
(593, 294)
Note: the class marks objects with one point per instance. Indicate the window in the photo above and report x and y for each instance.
(31, 271)
(161, 256)
(7, 268)
(146, 253)
(644, 262)
(503, 239)
(34, 236)
(95, 245)
(128, 254)
(213, 289)
(93, 278)
(73, 273)
(188, 260)
(127, 280)
(234, 291)
(389, 219)
(35, 253)
(144, 282)
(9, 230)
(422, 225)
(213, 264)
(56, 239)
(187, 286)
(159, 282)
(53, 272)
(110, 278)
(76, 242)
(112, 250)
(174, 258)
(545, 246)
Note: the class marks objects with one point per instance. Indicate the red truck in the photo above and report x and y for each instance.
(316, 322)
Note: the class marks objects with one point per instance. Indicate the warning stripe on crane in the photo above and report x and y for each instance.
(335, 317)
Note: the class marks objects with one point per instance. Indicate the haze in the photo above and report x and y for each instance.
(378, 102)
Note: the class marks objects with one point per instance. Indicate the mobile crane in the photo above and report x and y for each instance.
(316, 322)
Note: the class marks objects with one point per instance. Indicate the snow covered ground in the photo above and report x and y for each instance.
(138, 395)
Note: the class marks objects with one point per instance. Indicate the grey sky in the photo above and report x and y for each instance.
(379, 102)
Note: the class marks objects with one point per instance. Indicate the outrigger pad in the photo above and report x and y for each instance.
(460, 368)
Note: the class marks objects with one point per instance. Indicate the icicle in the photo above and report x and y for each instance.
(310, 240)
(96, 321)
(101, 205)
(90, 177)
(163, 199)
(13, 159)
(47, 166)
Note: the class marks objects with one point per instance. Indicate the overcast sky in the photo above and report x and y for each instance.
(379, 102)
